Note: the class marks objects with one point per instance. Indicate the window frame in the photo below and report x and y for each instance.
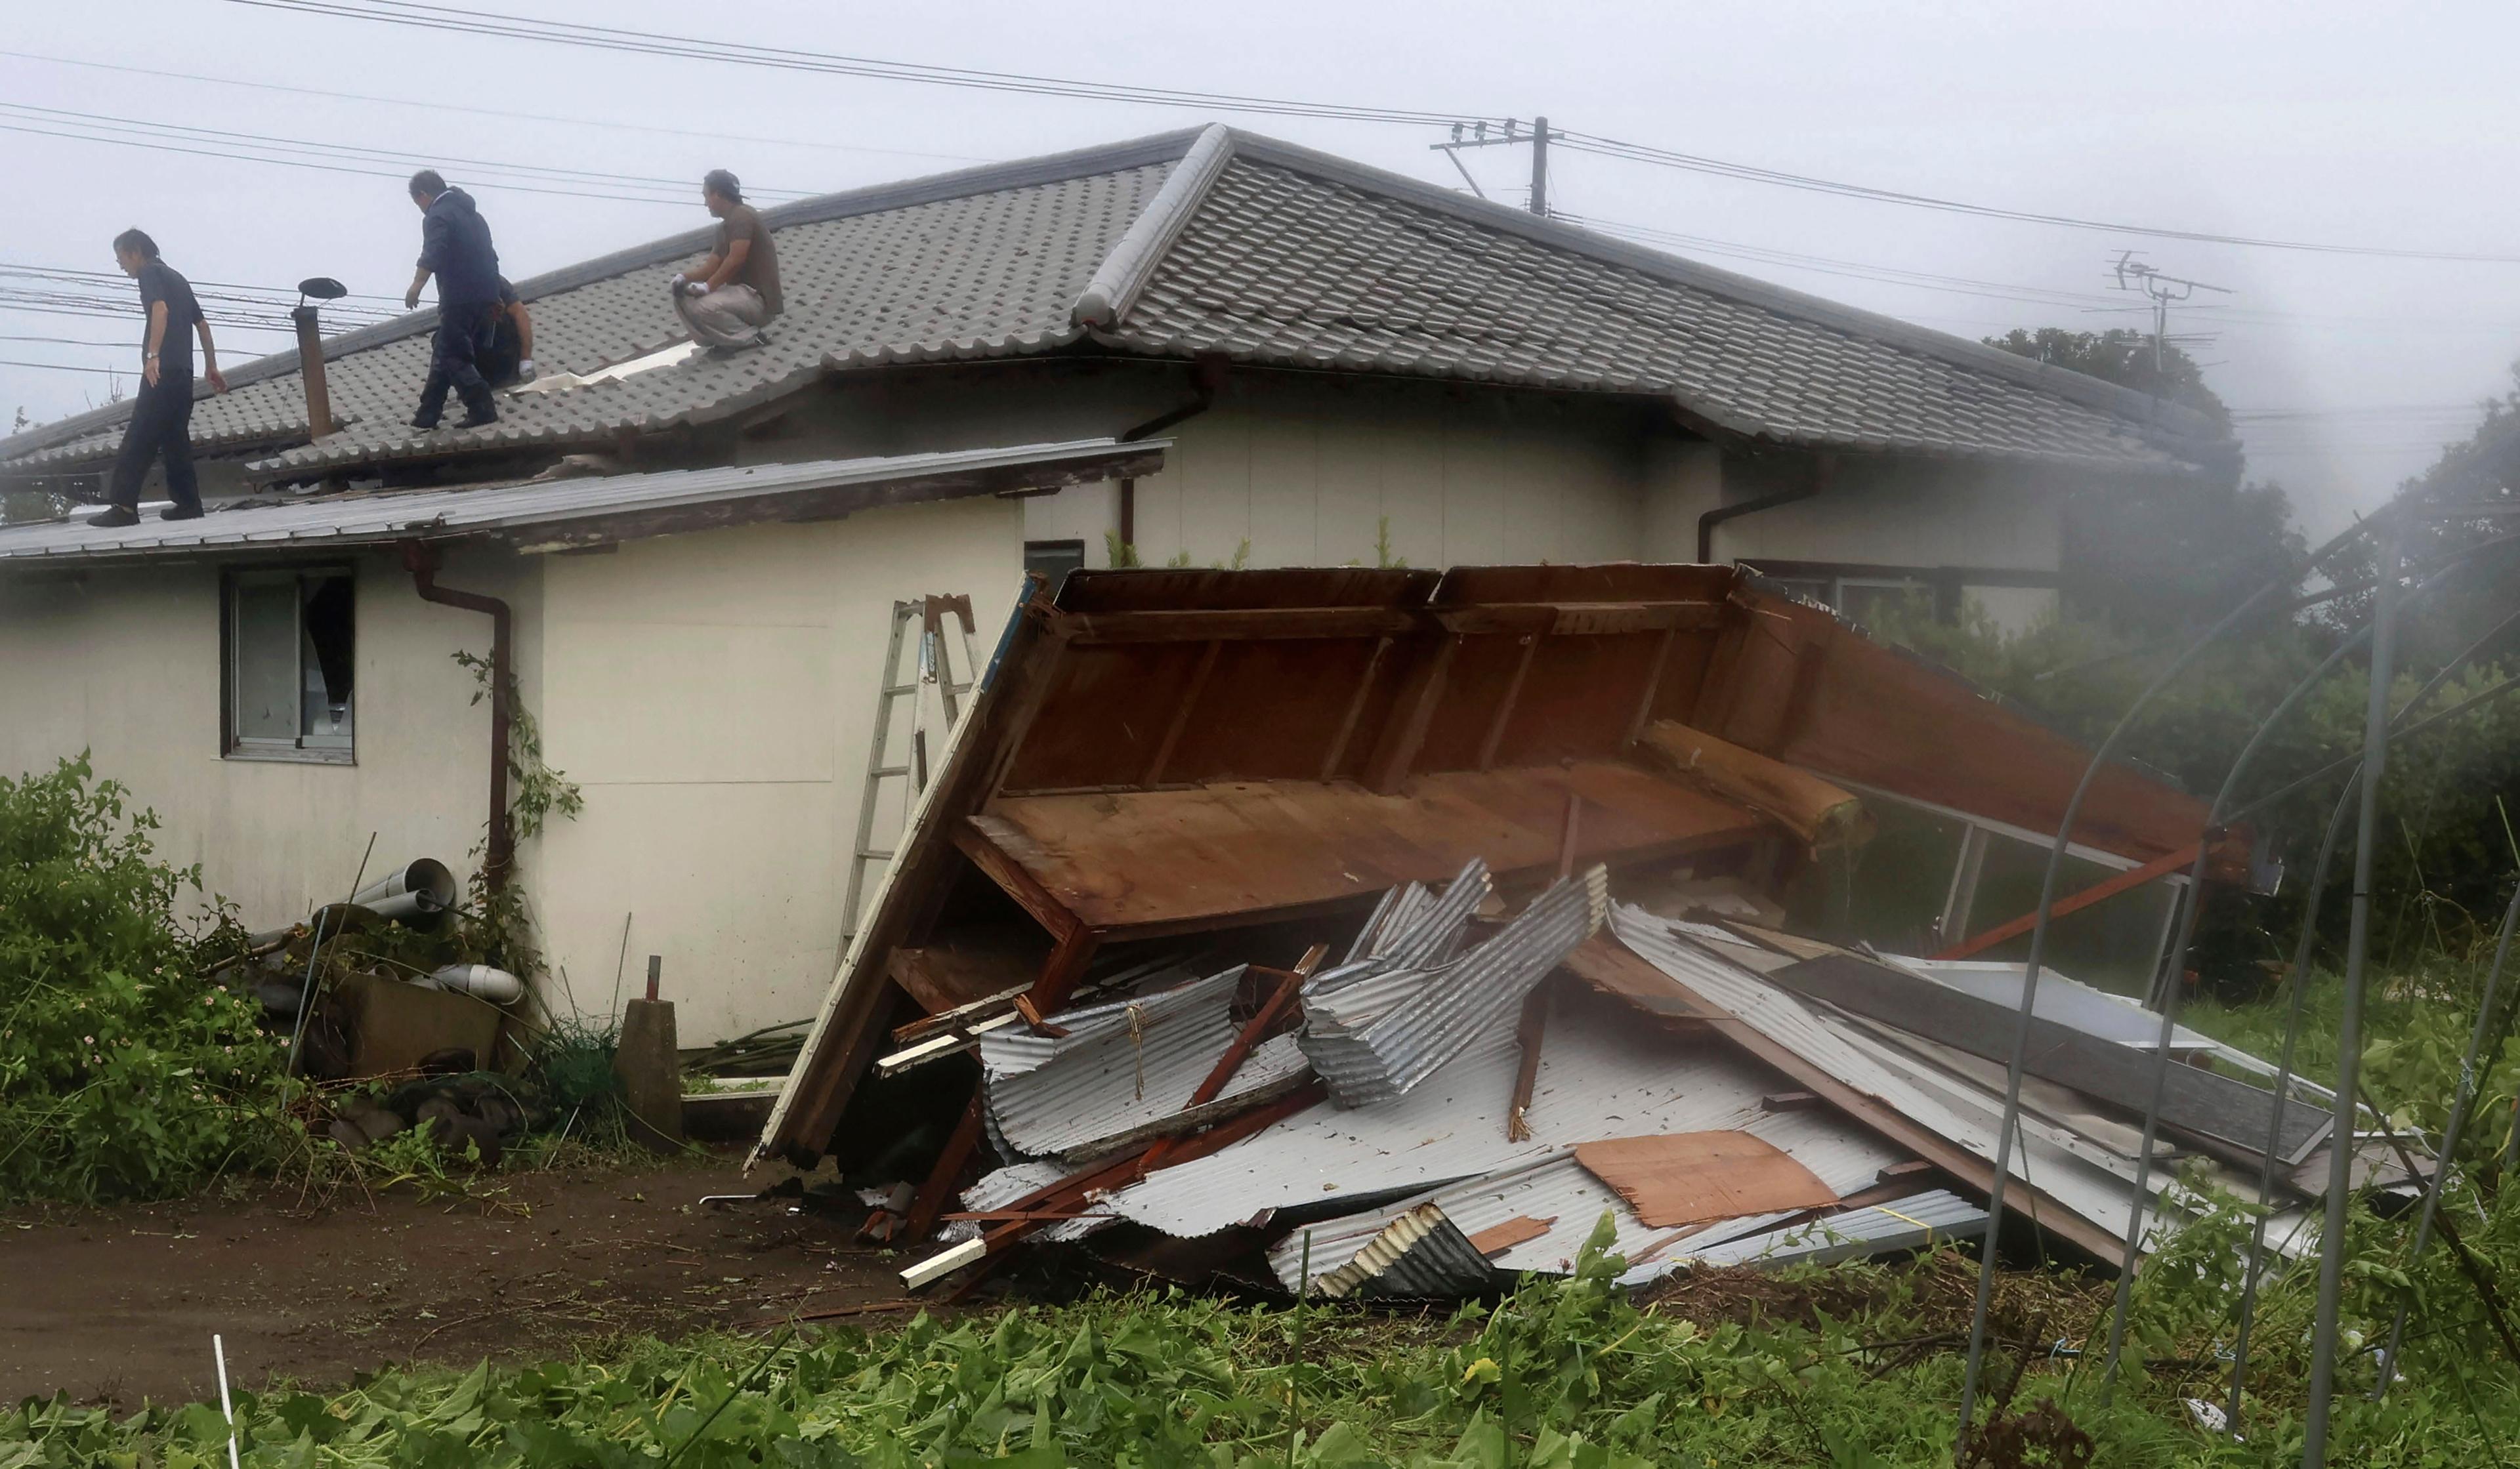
(295, 750)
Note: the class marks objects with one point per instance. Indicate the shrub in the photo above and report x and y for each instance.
(123, 1074)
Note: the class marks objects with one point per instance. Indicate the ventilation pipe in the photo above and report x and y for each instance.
(1824, 473)
(310, 349)
(421, 560)
(1207, 378)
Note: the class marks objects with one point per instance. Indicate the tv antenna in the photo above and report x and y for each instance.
(2165, 290)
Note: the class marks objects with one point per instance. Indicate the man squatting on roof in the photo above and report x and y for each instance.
(510, 356)
(455, 246)
(727, 297)
(162, 415)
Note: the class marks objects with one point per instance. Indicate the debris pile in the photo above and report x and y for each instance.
(1559, 825)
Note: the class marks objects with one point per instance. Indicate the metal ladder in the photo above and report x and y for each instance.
(931, 666)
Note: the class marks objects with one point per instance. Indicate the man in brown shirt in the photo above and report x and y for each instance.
(727, 297)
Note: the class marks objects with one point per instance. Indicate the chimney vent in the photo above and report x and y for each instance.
(310, 350)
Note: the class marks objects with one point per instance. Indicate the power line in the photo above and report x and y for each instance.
(612, 38)
(1638, 153)
(344, 157)
(448, 106)
(447, 17)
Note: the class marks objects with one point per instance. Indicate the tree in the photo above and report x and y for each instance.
(2148, 558)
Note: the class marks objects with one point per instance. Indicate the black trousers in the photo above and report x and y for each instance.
(454, 361)
(161, 424)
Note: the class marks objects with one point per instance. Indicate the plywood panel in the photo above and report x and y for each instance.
(1677, 1178)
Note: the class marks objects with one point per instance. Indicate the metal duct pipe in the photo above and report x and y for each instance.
(310, 349)
(421, 560)
(414, 895)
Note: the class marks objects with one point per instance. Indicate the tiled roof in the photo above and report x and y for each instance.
(1211, 241)
(1285, 267)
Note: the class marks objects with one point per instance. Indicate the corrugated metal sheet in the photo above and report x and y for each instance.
(2062, 998)
(999, 1188)
(1122, 1066)
(321, 521)
(1376, 1039)
(1600, 1076)
(1874, 1067)
(1560, 1191)
(1421, 1255)
(1920, 1219)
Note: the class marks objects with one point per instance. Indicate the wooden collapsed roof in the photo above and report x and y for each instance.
(1178, 751)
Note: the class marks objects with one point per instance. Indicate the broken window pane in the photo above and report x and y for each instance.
(289, 660)
(326, 652)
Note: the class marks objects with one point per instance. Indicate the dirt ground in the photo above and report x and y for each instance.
(117, 1306)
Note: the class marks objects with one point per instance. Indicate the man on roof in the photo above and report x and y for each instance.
(510, 356)
(726, 298)
(161, 415)
(455, 246)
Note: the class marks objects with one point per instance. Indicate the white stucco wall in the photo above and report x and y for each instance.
(126, 664)
(713, 696)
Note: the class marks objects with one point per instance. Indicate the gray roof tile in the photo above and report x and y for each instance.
(1263, 251)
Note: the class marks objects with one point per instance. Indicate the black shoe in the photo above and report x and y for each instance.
(180, 512)
(423, 424)
(120, 515)
(479, 420)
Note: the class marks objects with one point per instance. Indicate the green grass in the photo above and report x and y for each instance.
(1564, 1373)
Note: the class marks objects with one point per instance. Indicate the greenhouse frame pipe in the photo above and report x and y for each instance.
(2302, 948)
(2175, 962)
(2009, 1124)
(2030, 987)
(2349, 1040)
(2442, 1164)
(2284, 1083)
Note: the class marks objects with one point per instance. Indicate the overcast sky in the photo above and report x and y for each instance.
(2310, 121)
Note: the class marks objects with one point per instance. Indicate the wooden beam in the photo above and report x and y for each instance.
(1651, 688)
(1504, 714)
(1232, 624)
(2074, 901)
(1060, 972)
(1413, 715)
(1527, 1034)
(1189, 700)
(1018, 883)
(1575, 620)
(1355, 709)
(930, 1199)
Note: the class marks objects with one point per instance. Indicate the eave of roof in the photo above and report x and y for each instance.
(556, 513)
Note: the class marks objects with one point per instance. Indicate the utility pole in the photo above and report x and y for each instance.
(1537, 135)
(2135, 274)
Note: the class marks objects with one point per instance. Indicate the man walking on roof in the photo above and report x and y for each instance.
(455, 246)
(162, 415)
(727, 297)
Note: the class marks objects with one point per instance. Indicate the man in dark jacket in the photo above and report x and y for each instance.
(162, 415)
(455, 246)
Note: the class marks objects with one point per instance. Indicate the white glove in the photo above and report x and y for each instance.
(695, 288)
(525, 371)
(677, 283)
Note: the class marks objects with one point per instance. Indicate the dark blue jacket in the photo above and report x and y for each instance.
(455, 246)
